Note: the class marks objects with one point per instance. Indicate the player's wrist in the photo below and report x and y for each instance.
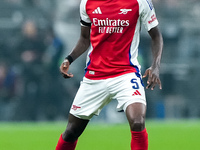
(69, 58)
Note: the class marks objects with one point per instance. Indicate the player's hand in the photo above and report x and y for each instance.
(64, 69)
(153, 78)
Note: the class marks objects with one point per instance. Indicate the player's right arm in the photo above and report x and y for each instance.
(81, 46)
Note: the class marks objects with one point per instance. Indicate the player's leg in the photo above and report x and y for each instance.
(135, 113)
(89, 100)
(75, 128)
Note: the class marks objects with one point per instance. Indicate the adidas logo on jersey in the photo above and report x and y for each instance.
(97, 11)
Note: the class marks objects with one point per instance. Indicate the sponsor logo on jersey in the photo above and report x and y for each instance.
(110, 25)
(124, 11)
(111, 30)
(136, 93)
(97, 11)
(110, 22)
(153, 18)
(74, 107)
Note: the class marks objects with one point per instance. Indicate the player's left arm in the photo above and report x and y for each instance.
(153, 71)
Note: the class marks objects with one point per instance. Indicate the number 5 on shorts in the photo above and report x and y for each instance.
(135, 84)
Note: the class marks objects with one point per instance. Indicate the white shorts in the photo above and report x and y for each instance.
(93, 95)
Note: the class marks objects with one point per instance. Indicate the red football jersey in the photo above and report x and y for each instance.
(115, 31)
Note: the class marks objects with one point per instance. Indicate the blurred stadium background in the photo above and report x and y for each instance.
(35, 36)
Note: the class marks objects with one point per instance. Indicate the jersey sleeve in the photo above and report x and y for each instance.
(85, 20)
(148, 15)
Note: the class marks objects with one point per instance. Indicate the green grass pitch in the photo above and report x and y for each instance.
(163, 135)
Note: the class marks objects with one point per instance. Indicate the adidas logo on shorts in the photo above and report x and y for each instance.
(136, 93)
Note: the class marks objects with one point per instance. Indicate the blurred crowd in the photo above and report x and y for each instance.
(29, 66)
(28, 70)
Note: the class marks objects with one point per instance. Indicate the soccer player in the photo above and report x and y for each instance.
(110, 29)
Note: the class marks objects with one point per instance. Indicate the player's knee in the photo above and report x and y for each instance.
(70, 135)
(137, 124)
